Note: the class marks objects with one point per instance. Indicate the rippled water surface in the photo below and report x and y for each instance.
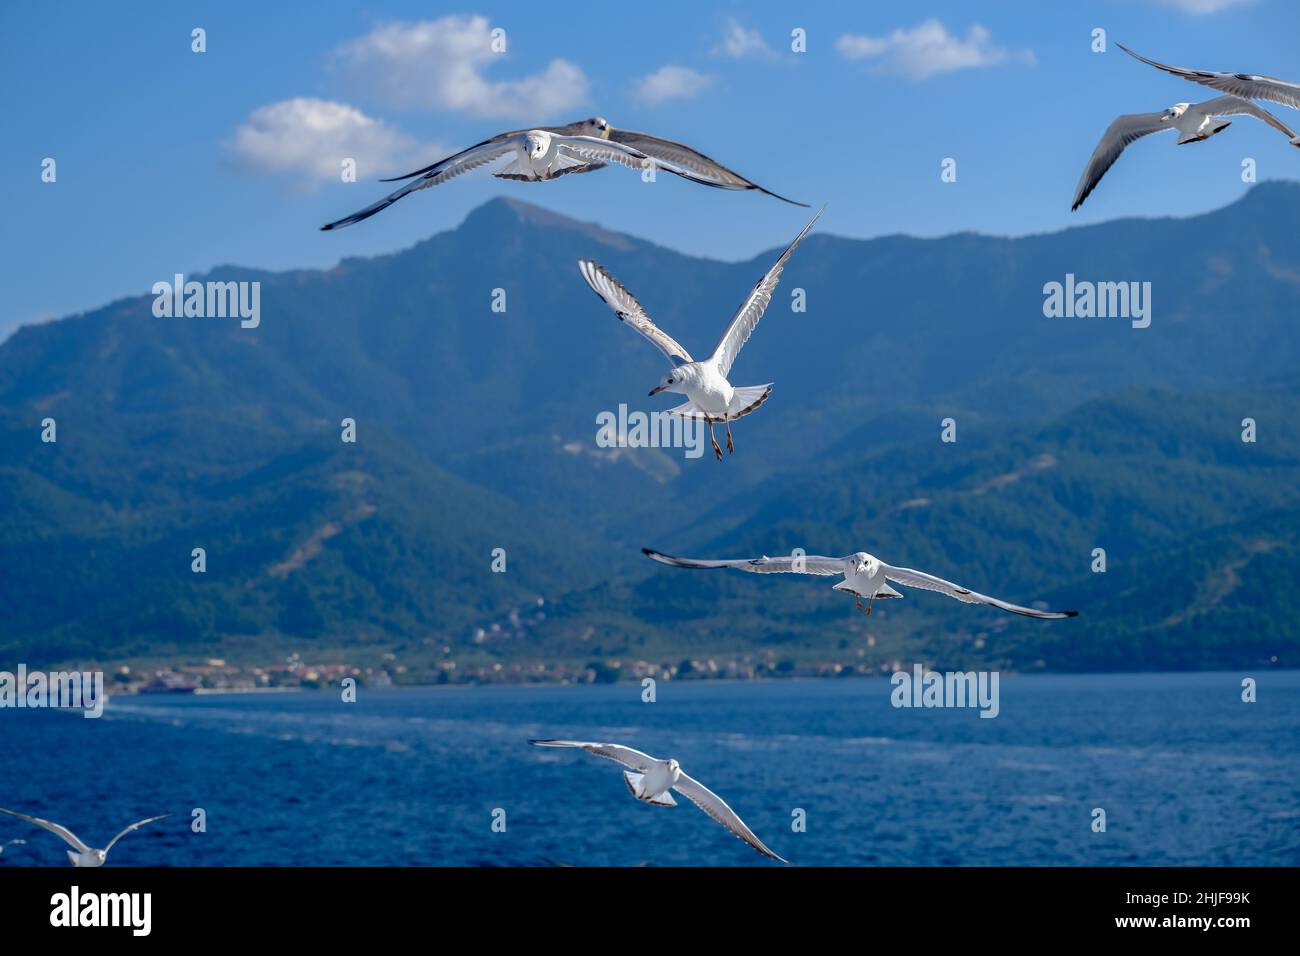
(1186, 772)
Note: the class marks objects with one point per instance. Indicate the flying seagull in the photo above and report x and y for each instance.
(539, 155)
(1194, 121)
(84, 856)
(9, 843)
(713, 399)
(1249, 85)
(865, 576)
(649, 779)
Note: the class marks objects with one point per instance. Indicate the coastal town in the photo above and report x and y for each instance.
(215, 675)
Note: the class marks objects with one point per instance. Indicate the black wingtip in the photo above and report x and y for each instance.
(1070, 613)
(792, 202)
(649, 552)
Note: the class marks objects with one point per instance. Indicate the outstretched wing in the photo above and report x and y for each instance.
(434, 175)
(629, 310)
(803, 564)
(61, 832)
(919, 579)
(716, 807)
(626, 756)
(1115, 140)
(708, 171)
(593, 149)
(751, 310)
(1235, 105)
(134, 826)
(1250, 85)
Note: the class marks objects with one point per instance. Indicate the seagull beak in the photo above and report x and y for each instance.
(657, 389)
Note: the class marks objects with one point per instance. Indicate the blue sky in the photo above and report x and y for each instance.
(171, 161)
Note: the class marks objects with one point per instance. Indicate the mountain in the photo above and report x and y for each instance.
(1139, 474)
(476, 430)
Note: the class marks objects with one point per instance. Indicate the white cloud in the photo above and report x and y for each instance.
(671, 83)
(740, 42)
(440, 64)
(309, 138)
(1201, 7)
(928, 49)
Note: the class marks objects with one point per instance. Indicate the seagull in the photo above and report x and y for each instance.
(10, 843)
(84, 856)
(1248, 85)
(539, 155)
(712, 398)
(1194, 121)
(865, 576)
(649, 780)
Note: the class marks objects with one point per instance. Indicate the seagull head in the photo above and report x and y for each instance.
(674, 769)
(1175, 111)
(536, 143)
(100, 856)
(597, 126)
(864, 563)
(672, 382)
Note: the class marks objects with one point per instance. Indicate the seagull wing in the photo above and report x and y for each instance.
(807, 564)
(593, 149)
(632, 759)
(434, 175)
(919, 579)
(1233, 105)
(134, 826)
(716, 807)
(629, 310)
(1249, 85)
(1118, 135)
(62, 832)
(709, 171)
(751, 310)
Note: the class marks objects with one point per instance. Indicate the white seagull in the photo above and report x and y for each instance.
(649, 779)
(84, 856)
(539, 156)
(1195, 122)
(865, 576)
(9, 843)
(712, 398)
(1249, 85)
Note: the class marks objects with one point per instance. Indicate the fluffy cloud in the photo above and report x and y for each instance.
(740, 42)
(309, 138)
(440, 64)
(1201, 7)
(928, 49)
(671, 83)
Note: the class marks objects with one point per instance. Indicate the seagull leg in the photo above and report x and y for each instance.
(869, 600)
(857, 601)
(731, 447)
(717, 449)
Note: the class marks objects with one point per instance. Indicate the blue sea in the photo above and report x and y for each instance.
(1186, 773)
